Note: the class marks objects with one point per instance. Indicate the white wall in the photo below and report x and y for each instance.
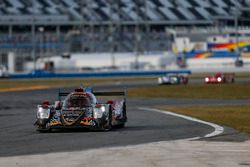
(11, 62)
(215, 63)
(100, 60)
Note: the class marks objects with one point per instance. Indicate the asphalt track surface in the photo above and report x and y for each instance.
(18, 135)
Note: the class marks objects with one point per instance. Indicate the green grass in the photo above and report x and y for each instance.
(203, 91)
(197, 91)
(68, 82)
(236, 116)
(64, 82)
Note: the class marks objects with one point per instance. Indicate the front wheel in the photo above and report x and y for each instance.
(43, 129)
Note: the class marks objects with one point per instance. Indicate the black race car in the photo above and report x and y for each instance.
(80, 109)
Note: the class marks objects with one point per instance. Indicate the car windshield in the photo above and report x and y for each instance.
(77, 101)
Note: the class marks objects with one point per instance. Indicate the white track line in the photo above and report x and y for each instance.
(217, 129)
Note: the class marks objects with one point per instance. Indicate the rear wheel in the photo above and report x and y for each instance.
(124, 112)
(108, 126)
(124, 115)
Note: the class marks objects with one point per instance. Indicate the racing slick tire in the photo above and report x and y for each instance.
(124, 119)
(43, 126)
(124, 112)
(43, 129)
(108, 125)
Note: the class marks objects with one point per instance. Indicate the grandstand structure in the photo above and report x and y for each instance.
(37, 28)
(67, 12)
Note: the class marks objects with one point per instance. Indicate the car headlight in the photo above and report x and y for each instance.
(98, 112)
(159, 80)
(219, 79)
(206, 79)
(43, 113)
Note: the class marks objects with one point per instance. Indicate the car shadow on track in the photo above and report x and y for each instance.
(81, 130)
(114, 129)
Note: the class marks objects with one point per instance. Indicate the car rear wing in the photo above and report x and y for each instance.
(110, 93)
(229, 74)
(117, 93)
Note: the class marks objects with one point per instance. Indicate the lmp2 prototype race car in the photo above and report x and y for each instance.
(172, 79)
(80, 109)
(220, 78)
